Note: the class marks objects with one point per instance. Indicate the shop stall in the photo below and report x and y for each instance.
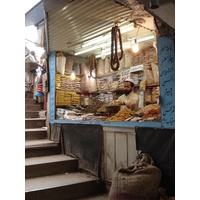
(87, 98)
(82, 87)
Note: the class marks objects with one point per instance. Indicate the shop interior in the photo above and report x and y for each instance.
(88, 79)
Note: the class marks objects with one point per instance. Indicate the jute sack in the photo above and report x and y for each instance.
(140, 181)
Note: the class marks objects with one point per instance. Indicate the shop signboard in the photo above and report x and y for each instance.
(124, 74)
(136, 68)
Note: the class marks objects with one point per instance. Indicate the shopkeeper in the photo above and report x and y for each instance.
(129, 100)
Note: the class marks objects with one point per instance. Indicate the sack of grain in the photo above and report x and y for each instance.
(139, 181)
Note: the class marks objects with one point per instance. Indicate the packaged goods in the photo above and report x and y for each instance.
(93, 108)
(155, 93)
(143, 85)
(86, 100)
(85, 83)
(100, 67)
(155, 72)
(60, 64)
(141, 99)
(128, 58)
(90, 99)
(122, 63)
(148, 75)
(84, 68)
(107, 65)
(82, 99)
(69, 64)
(148, 94)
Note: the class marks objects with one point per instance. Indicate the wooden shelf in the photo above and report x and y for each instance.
(151, 85)
(108, 74)
(150, 102)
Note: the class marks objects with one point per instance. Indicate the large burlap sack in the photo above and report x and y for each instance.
(140, 181)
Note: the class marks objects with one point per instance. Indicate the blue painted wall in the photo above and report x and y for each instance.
(52, 87)
(166, 62)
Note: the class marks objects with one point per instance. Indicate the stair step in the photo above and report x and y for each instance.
(42, 147)
(35, 133)
(32, 107)
(32, 114)
(39, 143)
(35, 122)
(49, 165)
(28, 94)
(30, 101)
(63, 186)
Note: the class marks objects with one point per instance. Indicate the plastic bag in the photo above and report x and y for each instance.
(69, 64)
(155, 72)
(100, 67)
(60, 64)
(107, 66)
(148, 75)
(84, 69)
(143, 85)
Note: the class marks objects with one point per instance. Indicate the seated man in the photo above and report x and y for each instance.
(129, 100)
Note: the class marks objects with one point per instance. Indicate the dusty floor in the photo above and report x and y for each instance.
(96, 197)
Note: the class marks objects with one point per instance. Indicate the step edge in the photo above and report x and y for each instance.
(40, 146)
(57, 186)
(35, 119)
(32, 111)
(35, 129)
(49, 162)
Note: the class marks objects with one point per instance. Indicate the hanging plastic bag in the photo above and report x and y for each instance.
(155, 72)
(60, 64)
(148, 75)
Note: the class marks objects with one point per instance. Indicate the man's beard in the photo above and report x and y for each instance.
(127, 92)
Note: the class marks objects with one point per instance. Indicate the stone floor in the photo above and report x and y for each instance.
(96, 197)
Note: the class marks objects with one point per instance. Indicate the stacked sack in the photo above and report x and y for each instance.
(63, 98)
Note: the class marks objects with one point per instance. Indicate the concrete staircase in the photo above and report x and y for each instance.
(48, 173)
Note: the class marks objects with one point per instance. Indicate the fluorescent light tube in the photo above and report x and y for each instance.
(149, 37)
(102, 38)
(92, 48)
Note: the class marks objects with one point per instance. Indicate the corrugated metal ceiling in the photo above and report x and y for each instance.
(35, 15)
(72, 24)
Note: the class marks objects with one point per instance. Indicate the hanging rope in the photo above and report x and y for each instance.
(92, 64)
(115, 35)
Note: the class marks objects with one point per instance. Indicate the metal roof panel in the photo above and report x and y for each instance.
(35, 15)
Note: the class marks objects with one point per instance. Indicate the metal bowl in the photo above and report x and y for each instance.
(112, 109)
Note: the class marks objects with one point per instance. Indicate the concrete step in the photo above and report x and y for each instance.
(42, 147)
(49, 165)
(99, 196)
(32, 114)
(35, 133)
(28, 94)
(35, 122)
(60, 187)
(30, 101)
(32, 107)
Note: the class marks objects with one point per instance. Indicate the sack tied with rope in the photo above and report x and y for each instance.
(139, 181)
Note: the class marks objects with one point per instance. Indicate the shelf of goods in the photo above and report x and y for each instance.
(67, 90)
